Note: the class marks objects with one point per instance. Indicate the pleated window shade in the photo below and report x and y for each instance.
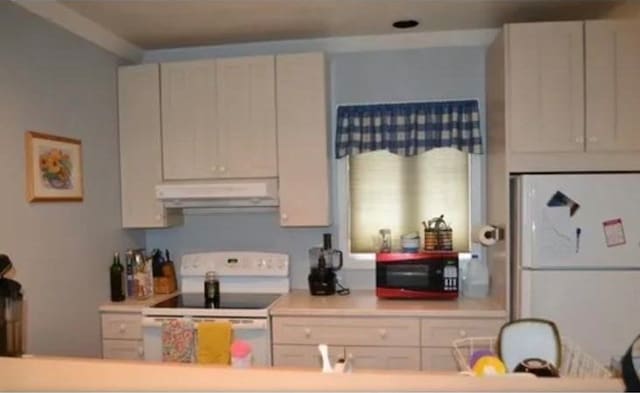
(398, 193)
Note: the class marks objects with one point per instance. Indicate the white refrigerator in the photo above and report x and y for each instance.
(576, 257)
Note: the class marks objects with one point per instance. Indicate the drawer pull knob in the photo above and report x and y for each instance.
(307, 332)
(383, 333)
(122, 328)
(140, 350)
(463, 333)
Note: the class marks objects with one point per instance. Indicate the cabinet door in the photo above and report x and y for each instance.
(383, 358)
(306, 356)
(247, 117)
(613, 85)
(545, 87)
(303, 164)
(439, 359)
(189, 125)
(122, 349)
(140, 146)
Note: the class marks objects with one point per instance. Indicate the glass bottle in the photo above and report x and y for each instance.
(117, 279)
(211, 290)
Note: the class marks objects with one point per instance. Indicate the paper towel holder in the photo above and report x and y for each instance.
(488, 235)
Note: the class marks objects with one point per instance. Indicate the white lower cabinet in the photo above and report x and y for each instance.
(123, 349)
(437, 336)
(122, 336)
(397, 343)
(306, 356)
(438, 359)
(393, 358)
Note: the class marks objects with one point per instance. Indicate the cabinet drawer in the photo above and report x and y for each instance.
(438, 359)
(347, 331)
(442, 332)
(384, 358)
(122, 326)
(122, 349)
(305, 356)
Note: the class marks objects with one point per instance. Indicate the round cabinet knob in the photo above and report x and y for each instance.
(214, 168)
(382, 333)
(593, 139)
(122, 328)
(463, 333)
(222, 169)
(307, 332)
(284, 217)
(579, 139)
(140, 350)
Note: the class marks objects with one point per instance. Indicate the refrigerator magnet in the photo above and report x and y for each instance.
(614, 232)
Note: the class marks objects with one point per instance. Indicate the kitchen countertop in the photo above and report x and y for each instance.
(77, 374)
(134, 305)
(365, 303)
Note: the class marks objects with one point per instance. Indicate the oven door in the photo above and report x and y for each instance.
(255, 331)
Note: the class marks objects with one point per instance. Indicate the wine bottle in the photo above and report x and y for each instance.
(117, 279)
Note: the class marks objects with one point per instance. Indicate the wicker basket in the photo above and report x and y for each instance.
(575, 363)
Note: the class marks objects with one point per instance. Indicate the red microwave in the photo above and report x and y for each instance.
(423, 275)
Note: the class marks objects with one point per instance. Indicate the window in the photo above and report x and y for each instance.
(399, 165)
(399, 193)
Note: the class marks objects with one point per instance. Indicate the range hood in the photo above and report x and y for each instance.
(222, 193)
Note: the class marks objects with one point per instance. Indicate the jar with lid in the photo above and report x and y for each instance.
(211, 290)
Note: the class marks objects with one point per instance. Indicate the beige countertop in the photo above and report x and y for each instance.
(77, 374)
(365, 303)
(134, 305)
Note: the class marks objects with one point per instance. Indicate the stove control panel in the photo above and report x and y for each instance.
(240, 263)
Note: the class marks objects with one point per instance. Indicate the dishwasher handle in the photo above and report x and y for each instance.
(236, 323)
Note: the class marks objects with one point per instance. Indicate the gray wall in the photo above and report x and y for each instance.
(54, 82)
(365, 77)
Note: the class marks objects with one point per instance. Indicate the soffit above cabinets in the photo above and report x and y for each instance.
(169, 24)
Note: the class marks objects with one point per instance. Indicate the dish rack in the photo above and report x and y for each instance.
(575, 363)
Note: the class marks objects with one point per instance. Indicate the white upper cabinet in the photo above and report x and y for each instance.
(571, 96)
(546, 87)
(613, 85)
(247, 117)
(303, 158)
(140, 147)
(219, 119)
(189, 120)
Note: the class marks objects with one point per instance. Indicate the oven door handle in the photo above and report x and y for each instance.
(244, 324)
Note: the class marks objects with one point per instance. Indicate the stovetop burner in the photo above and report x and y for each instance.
(229, 301)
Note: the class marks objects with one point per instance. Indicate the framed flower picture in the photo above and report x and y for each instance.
(54, 168)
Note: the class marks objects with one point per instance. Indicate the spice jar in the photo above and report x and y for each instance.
(211, 290)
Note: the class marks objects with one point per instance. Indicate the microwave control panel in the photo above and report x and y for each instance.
(450, 276)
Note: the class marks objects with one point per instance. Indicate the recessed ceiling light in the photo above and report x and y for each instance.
(405, 24)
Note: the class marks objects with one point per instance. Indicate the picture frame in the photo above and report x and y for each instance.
(54, 168)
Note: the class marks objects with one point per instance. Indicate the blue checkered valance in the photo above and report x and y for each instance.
(408, 129)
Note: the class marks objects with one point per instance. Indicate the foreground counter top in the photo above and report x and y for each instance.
(77, 374)
(365, 303)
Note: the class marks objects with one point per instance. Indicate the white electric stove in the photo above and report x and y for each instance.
(250, 282)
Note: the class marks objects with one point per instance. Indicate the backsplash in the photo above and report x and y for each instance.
(248, 232)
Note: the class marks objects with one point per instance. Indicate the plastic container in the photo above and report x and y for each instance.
(575, 362)
(240, 354)
(475, 283)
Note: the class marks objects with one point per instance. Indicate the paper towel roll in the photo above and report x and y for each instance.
(487, 235)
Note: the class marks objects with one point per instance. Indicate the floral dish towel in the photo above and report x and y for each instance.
(177, 340)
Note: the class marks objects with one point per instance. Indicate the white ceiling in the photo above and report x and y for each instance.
(171, 23)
